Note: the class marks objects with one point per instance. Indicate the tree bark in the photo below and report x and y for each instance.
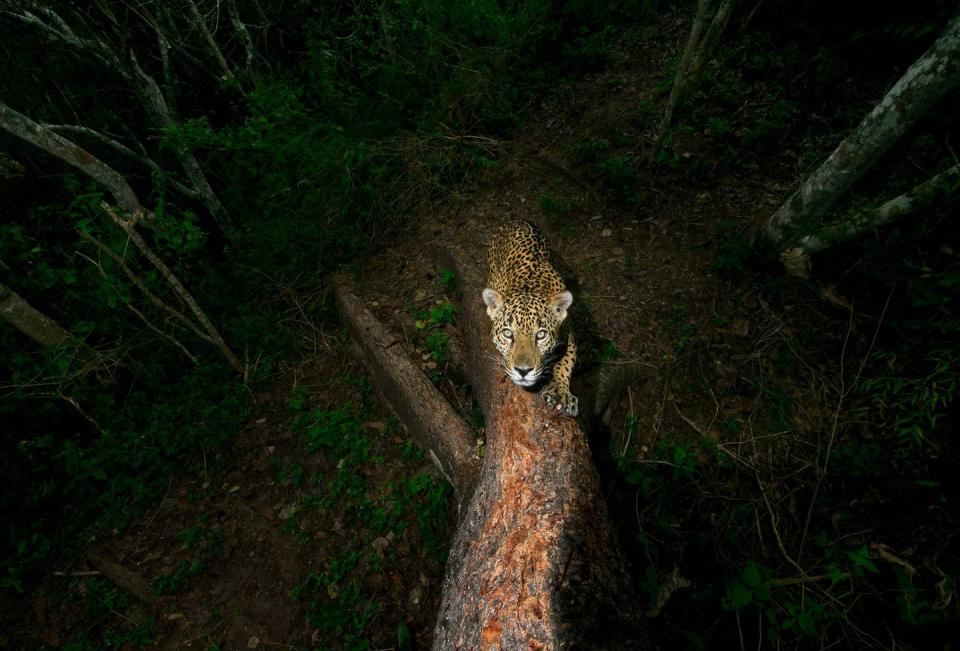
(938, 187)
(931, 77)
(796, 258)
(679, 81)
(45, 331)
(710, 40)
(534, 563)
(72, 154)
(422, 409)
(30, 321)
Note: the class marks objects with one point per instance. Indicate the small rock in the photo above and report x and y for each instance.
(420, 295)
(287, 512)
(253, 642)
(606, 232)
(380, 545)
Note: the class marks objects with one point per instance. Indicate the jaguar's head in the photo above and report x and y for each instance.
(525, 331)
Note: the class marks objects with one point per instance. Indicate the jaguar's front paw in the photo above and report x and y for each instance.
(561, 400)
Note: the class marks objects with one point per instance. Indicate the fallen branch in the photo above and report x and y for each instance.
(127, 580)
(423, 410)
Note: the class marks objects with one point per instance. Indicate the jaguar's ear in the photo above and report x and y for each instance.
(561, 302)
(494, 301)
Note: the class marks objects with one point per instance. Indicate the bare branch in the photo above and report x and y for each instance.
(166, 335)
(138, 282)
(211, 44)
(67, 151)
(128, 226)
(243, 33)
(126, 151)
(58, 29)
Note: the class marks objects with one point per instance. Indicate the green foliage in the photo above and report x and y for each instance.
(102, 600)
(590, 150)
(733, 250)
(335, 599)
(433, 338)
(619, 174)
(609, 352)
(112, 474)
(553, 206)
(917, 405)
(449, 279)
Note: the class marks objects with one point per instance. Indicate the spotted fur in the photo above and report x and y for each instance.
(527, 303)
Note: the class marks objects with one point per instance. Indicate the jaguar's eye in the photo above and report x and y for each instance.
(541, 335)
(507, 333)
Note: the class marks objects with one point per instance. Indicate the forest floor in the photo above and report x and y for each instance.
(293, 539)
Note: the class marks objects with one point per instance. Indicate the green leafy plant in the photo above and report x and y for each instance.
(553, 206)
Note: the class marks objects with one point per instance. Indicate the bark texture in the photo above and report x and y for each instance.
(796, 258)
(936, 188)
(423, 410)
(45, 331)
(30, 321)
(72, 154)
(931, 77)
(534, 563)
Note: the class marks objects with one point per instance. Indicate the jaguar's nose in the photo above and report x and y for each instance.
(522, 370)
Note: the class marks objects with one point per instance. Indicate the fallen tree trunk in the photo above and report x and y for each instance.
(534, 563)
(426, 414)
